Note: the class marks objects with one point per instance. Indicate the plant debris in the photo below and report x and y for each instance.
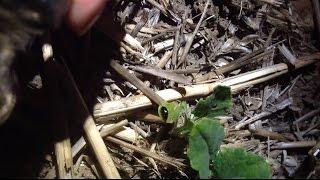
(165, 41)
(140, 75)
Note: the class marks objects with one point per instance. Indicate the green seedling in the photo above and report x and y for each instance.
(205, 135)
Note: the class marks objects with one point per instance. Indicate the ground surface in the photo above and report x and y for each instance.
(232, 29)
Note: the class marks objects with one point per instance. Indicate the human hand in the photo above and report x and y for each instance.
(82, 14)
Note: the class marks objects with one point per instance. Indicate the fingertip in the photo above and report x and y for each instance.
(83, 13)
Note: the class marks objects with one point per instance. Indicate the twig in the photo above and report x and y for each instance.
(152, 149)
(126, 134)
(64, 158)
(141, 162)
(130, 50)
(294, 145)
(240, 134)
(139, 130)
(208, 77)
(137, 82)
(307, 116)
(164, 159)
(264, 114)
(164, 60)
(279, 68)
(146, 115)
(143, 35)
(176, 47)
(162, 74)
(190, 40)
(150, 30)
(267, 134)
(160, 46)
(241, 61)
(76, 148)
(114, 128)
(273, 2)
(293, 83)
(133, 42)
(241, 144)
(288, 54)
(153, 38)
(184, 71)
(146, 30)
(239, 87)
(264, 98)
(253, 119)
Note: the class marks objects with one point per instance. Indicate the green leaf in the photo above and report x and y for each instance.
(215, 104)
(171, 111)
(180, 115)
(184, 129)
(237, 163)
(204, 141)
